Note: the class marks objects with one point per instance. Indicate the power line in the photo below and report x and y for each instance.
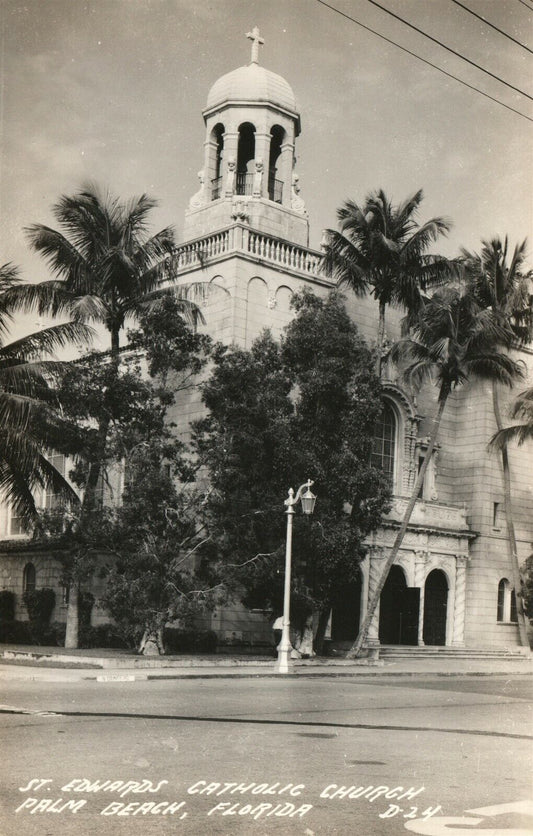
(439, 43)
(492, 26)
(424, 61)
(526, 5)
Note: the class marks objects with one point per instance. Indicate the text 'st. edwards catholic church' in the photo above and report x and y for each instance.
(451, 585)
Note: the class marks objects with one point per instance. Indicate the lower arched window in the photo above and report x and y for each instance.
(384, 444)
(506, 610)
(28, 578)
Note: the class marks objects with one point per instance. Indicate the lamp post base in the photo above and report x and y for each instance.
(284, 663)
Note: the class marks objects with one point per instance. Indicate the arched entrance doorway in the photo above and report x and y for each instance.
(435, 608)
(345, 613)
(398, 610)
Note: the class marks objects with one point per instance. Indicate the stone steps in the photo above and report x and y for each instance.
(406, 652)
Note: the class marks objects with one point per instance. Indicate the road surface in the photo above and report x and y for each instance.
(377, 756)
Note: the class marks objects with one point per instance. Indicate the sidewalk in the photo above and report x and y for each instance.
(59, 665)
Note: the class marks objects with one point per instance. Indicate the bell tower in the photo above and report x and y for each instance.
(248, 175)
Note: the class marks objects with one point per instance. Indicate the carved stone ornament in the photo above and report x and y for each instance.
(199, 198)
(239, 210)
(272, 302)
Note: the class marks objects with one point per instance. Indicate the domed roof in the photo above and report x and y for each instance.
(252, 83)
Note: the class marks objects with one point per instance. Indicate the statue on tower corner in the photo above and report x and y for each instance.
(199, 198)
(230, 178)
(297, 203)
(258, 179)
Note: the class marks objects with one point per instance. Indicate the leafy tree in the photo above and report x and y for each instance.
(277, 415)
(27, 403)
(382, 250)
(95, 393)
(453, 340)
(154, 577)
(504, 288)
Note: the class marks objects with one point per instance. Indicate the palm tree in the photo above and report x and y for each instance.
(505, 288)
(27, 405)
(107, 270)
(520, 433)
(453, 340)
(381, 249)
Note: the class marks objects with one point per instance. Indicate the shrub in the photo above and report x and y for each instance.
(189, 641)
(7, 605)
(105, 635)
(15, 632)
(85, 606)
(40, 604)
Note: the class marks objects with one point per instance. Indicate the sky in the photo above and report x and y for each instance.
(112, 92)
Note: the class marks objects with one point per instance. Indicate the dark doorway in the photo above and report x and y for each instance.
(345, 613)
(435, 608)
(398, 610)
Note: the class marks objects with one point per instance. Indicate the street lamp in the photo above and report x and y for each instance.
(308, 499)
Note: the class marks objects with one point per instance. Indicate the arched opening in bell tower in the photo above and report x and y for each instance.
(275, 183)
(245, 158)
(216, 158)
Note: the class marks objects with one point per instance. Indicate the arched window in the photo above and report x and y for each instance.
(275, 185)
(384, 445)
(506, 608)
(245, 157)
(217, 145)
(28, 578)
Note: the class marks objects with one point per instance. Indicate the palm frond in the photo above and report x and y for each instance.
(62, 256)
(47, 341)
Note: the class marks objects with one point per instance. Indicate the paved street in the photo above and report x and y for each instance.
(367, 756)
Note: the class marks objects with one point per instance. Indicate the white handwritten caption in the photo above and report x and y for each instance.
(276, 806)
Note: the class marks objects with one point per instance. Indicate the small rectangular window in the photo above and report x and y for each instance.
(17, 524)
(496, 514)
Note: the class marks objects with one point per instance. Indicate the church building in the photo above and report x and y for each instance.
(247, 231)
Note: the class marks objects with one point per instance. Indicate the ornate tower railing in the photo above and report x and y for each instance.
(257, 245)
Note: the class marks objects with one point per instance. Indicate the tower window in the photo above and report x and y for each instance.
(245, 158)
(216, 158)
(275, 185)
(384, 444)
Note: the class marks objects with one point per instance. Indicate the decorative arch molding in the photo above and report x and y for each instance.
(219, 281)
(256, 304)
(444, 564)
(406, 564)
(406, 435)
(283, 297)
(397, 395)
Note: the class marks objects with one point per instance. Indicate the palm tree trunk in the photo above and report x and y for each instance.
(89, 503)
(373, 603)
(511, 535)
(71, 635)
(381, 335)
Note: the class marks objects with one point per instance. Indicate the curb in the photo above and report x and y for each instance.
(66, 676)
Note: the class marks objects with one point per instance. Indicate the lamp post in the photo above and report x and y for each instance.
(308, 499)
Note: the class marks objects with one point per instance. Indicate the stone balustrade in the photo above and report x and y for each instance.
(240, 239)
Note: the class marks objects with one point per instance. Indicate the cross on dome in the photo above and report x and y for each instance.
(256, 41)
